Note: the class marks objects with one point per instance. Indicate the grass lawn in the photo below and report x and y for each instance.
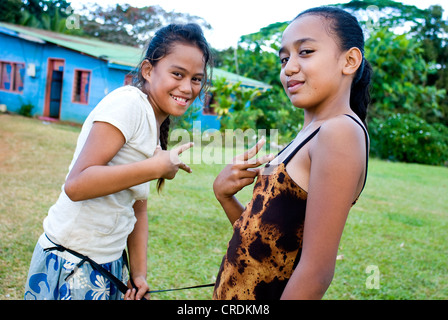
(397, 231)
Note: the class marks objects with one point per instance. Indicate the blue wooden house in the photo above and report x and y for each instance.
(64, 77)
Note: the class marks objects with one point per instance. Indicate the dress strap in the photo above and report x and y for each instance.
(367, 147)
(304, 142)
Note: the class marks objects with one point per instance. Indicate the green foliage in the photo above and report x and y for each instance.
(120, 23)
(391, 13)
(410, 70)
(278, 113)
(409, 80)
(408, 138)
(433, 35)
(425, 26)
(10, 10)
(48, 15)
(26, 110)
(243, 108)
(233, 104)
(399, 83)
(129, 25)
(257, 57)
(409, 111)
(186, 120)
(405, 116)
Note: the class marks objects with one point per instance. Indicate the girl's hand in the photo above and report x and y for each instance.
(139, 292)
(240, 173)
(234, 177)
(170, 162)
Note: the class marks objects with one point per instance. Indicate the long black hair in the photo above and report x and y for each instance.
(349, 33)
(161, 45)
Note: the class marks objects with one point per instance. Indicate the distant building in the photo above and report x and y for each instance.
(64, 77)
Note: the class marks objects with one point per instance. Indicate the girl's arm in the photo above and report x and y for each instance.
(234, 177)
(137, 247)
(336, 177)
(91, 177)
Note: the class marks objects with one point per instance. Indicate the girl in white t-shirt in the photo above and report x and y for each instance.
(102, 208)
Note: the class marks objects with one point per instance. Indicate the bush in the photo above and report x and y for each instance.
(26, 110)
(400, 78)
(408, 138)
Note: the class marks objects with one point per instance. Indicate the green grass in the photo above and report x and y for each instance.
(399, 224)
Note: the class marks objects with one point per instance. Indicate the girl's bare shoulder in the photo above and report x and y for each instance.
(341, 132)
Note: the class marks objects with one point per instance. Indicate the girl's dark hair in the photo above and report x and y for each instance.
(349, 33)
(160, 46)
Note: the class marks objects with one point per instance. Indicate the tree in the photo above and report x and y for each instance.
(47, 15)
(122, 24)
(433, 34)
(234, 104)
(427, 27)
(408, 87)
(10, 10)
(257, 57)
(389, 13)
(408, 113)
(400, 78)
(130, 25)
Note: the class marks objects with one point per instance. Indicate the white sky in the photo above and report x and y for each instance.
(230, 19)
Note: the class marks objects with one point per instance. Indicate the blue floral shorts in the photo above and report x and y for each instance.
(47, 279)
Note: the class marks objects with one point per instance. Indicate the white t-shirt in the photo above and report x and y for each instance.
(98, 228)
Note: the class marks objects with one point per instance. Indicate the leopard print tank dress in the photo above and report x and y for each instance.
(267, 240)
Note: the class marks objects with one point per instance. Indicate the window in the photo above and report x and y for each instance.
(11, 76)
(81, 86)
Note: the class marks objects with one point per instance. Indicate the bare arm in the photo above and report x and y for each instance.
(234, 177)
(337, 167)
(137, 247)
(91, 177)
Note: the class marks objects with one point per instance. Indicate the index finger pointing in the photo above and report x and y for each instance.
(183, 148)
(252, 151)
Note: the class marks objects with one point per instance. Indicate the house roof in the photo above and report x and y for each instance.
(115, 54)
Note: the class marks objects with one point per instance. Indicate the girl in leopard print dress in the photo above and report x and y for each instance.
(285, 241)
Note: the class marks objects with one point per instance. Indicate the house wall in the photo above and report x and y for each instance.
(19, 51)
(77, 111)
(102, 78)
(208, 121)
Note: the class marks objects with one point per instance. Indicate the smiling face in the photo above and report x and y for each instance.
(312, 63)
(175, 81)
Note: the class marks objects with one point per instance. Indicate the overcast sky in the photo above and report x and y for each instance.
(230, 19)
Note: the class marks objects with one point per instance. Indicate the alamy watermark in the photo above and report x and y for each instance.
(373, 278)
(212, 146)
(72, 21)
(372, 12)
